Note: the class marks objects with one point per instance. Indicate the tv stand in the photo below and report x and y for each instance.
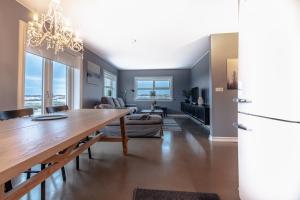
(199, 112)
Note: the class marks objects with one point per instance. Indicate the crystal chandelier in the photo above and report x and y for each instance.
(52, 29)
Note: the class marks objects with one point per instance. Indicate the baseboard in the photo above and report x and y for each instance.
(198, 122)
(211, 138)
(190, 117)
(223, 139)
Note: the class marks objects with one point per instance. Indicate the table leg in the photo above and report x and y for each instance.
(123, 134)
(2, 188)
(43, 184)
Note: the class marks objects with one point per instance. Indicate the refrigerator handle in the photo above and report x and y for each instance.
(239, 100)
(240, 126)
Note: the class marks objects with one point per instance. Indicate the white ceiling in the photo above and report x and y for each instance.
(148, 34)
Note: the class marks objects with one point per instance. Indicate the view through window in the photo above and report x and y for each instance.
(153, 88)
(34, 83)
(45, 83)
(59, 84)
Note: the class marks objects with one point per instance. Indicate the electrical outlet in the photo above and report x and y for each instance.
(219, 89)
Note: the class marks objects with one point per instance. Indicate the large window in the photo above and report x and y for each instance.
(110, 85)
(46, 83)
(154, 88)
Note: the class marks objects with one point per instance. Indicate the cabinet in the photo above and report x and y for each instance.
(199, 112)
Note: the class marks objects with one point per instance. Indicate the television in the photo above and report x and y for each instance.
(195, 95)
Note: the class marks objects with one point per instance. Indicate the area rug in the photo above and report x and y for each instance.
(171, 125)
(146, 194)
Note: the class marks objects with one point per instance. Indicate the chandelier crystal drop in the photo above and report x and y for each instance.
(52, 29)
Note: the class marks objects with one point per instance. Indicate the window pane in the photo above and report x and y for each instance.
(108, 92)
(143, 93)
(33, 83)
(59, 84)
(162, 84)
(163, 93)
(114, 84)
(107, 82)
(114, 89)
(145, 84)
(110, 85)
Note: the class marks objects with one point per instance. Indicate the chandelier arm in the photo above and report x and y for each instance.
(51, 28)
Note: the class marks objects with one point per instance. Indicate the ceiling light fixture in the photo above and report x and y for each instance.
(53, 29)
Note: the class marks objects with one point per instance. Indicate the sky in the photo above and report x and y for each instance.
(33, 76)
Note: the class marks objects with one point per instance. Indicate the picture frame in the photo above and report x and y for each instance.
(93, 73)
(232, 73)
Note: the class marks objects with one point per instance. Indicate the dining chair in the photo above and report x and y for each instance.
(12, 114)
(54, 109)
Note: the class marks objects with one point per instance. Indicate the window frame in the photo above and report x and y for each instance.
(154, 79)
(69, 83)
(112, 77)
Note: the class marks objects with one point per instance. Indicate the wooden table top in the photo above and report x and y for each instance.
(25, 143)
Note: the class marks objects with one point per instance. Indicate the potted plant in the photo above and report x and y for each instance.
(187, 95)
(152, 94)
(153, 105)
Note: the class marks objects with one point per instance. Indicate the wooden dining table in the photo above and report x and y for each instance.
(25, 143)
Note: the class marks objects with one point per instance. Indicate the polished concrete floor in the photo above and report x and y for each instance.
(184, 161)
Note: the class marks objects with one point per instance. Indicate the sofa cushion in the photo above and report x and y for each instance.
(139, 117)
(153, 119)
(121, 102)
(132, 109)
(103, 106)
(117, 103)
(108, 100)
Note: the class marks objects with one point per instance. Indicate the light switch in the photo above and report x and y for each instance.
(219, 89)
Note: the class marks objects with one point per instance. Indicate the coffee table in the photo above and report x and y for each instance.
(154, 112)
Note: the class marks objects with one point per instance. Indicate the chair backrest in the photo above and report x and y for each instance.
(54, 109)
(11, 114)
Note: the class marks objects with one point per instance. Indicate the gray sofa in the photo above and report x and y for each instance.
(116, 103)
(135, 127)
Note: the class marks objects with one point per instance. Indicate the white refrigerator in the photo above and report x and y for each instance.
(269, 100)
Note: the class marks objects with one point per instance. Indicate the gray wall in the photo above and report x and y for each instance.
(10, 14)
(223, 109)
(181, 81)
(200, 75)
(93, 93)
